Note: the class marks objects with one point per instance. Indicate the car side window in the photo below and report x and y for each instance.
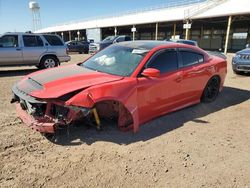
(164, 61)
(120, 39)
(127, 38)
(9, 41)
(32, 41)
(190, 58)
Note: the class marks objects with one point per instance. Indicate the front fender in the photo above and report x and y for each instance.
(123, 91)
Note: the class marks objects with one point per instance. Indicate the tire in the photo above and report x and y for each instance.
(86, 51)
(211, 90)
(48, 62)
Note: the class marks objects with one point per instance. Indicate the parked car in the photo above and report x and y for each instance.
(91, 40)
(78, 46)
(95, 47)
(241, 61)
(129, 83)
(183, 41)
(216, 53)
(41, 50)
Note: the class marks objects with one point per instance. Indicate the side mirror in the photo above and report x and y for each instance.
(114, 41)
(151, 72)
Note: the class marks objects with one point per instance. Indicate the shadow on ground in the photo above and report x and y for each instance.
(76, 135)
(16, 72)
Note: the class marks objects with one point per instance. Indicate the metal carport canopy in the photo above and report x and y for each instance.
(230, 7)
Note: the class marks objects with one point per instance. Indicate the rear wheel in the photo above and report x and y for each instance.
(48, 62)
(211, 90)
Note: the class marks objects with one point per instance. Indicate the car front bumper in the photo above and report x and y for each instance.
(241, 67)
(43, 125)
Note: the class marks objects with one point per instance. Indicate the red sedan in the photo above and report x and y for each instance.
(129, 83)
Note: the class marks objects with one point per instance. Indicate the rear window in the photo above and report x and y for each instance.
(53, 40)
(191, 58)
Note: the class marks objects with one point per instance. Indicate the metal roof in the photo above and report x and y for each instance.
(216, 8)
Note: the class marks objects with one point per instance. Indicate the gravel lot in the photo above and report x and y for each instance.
(206, 145)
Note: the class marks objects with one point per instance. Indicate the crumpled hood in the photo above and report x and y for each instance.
(55, 82)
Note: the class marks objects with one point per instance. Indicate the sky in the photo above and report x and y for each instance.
(16, 16)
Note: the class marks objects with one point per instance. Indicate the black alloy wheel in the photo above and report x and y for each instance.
(211, 90)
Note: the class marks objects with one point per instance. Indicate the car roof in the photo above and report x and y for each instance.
(181, 40)
(148, 45)
(25, 33)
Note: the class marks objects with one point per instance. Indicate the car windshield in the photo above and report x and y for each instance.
(117, 60)
(110, 38)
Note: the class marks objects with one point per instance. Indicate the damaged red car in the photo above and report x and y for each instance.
(128, 83)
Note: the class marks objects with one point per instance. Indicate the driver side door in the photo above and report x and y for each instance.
(159, 95)
(10, 50)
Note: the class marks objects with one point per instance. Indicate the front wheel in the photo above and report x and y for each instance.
(211, 90)
(48, 62)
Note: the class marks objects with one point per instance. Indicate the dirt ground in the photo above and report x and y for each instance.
(206, 145)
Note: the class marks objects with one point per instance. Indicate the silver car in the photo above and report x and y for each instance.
(41, 50)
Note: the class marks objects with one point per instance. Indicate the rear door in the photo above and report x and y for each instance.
(33, 49)
(192, 72)
(159, 95)
(10, 50)
(55, 45)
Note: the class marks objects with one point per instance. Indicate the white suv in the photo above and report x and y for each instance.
(41, 50)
